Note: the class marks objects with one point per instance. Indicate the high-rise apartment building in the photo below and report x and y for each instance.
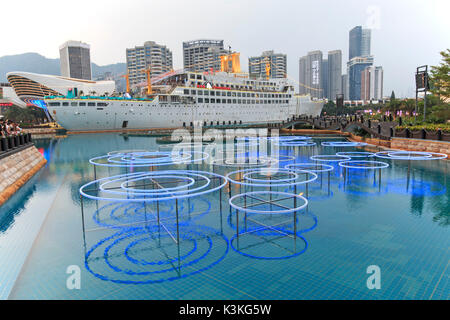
(157, 58)
(372, 83)
(75, 60)
(310, 74)
(354, 68)
(322, 78)
(334, 74)
(302, 75)
(277, 63)
(203, 55)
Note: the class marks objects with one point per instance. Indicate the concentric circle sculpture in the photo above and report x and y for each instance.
(153, 186)
(268, 177)
(313, 167)
(245, 161)
(148, 158)
(275, 138)
(330, 158)
(342, 144)
(363, 165)
(356, 154)
(410, 155)
(296, 143)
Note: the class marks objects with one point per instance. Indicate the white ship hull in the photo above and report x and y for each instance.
(119, 115)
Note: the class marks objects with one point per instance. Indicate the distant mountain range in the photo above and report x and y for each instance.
(34, 62)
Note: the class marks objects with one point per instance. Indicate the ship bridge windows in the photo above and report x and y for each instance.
(101, 104)
(54, 104)
(74, 104)
(65, 104)
(82, 104)
(187, 100)
(91, 104)
(175, 99)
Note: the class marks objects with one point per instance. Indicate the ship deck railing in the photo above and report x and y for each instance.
(97, 98)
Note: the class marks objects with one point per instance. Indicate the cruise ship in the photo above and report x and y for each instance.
(182, 99)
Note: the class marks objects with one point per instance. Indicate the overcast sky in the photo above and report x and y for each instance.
(406, 33)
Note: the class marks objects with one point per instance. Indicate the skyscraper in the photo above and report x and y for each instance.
(203, 55)
(157, 58)
(75, 60)
(276, 61)
(359, 42)
(359, 59)
(354, 68)
(366, 35)
(334, 74)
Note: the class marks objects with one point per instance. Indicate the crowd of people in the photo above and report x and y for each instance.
(9, 128)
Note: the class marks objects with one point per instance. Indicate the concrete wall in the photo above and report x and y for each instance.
(17, 169)
(421, 145)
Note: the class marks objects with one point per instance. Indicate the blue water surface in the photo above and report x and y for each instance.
(398, 221)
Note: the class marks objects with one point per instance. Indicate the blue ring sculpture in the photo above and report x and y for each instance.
(157, 194)
(148, 159)
(330, 158)
(270, 183)
(313, 167)
(356, 154)
(363, 164)
(396, 155)
(343, 144)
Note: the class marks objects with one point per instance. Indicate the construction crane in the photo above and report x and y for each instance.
(267, 69)
(127, 77)
(149, 84)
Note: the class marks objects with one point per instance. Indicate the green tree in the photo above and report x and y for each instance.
(392, 95)
(440, 77)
